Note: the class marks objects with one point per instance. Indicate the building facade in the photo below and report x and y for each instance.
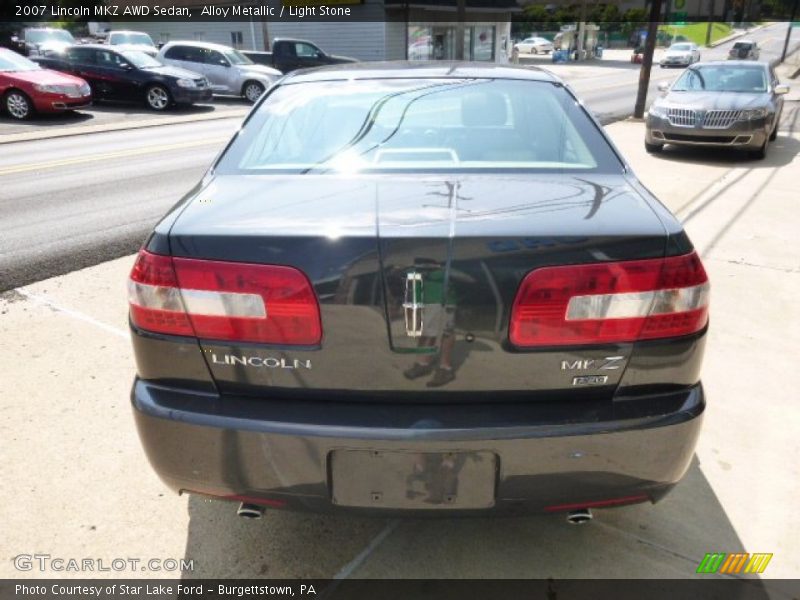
(380, 30)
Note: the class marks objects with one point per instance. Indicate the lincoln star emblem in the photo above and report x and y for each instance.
(412, 304)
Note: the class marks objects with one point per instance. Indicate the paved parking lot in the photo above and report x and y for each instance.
(82, 486)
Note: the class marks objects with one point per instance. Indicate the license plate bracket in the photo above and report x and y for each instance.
(413, 480)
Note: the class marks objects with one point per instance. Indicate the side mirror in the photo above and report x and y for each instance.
(663, 86)
(15, 39)
(224, 63)
(126, 66)
(781, 89)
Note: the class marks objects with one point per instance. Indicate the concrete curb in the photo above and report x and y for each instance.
(125, 125)
(736, 35)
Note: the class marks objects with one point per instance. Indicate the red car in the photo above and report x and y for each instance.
(25, 88)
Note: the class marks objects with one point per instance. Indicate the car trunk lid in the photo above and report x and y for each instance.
(415, 276)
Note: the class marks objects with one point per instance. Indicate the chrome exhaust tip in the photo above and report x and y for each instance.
(579, 517)
(250, 511)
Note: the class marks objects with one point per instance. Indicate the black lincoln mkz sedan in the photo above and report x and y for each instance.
(419, 288)
(131, 76)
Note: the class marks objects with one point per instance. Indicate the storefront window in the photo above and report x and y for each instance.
(420, 43)
(483, 45)
(438, 42)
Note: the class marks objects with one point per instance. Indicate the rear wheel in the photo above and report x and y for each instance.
(18, 105)
(157, 97)
(653, 148)
(252, 90)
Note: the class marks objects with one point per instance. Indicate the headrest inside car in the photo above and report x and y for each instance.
(484, 109)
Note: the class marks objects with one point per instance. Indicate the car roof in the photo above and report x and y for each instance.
(744, 42)
(126, 31)
(97, 47)
(730, 63)
(421, 69)
(197, 44)
(280, 39)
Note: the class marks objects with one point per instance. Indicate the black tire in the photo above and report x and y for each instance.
(653, 148)
(761, 153)
(774, 133)
(252, 90)
(18, 105)
(157, 97)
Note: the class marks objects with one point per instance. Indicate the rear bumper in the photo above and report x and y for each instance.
(278, 453)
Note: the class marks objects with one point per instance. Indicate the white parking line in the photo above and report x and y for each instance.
(348, 569)
(73, 313)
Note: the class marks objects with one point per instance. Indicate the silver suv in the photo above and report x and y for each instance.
(228, 71)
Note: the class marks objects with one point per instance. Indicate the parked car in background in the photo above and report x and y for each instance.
(681, 54)
(131, 76)
(534, 45)
(290, 54)
(27, 88)
(744, 50)
(132, 40)
(228, 71)
(43, 41)
(723, 103)
(470, 306)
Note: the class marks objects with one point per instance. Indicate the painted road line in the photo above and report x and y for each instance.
(45, 301)
(362, 556)
(110, 155)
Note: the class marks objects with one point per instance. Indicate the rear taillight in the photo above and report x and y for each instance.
(610, 302)
(228, 301)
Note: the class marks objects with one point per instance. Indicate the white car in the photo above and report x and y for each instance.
(228, 71)
(681, 54)
(534, 45)
(132, 40)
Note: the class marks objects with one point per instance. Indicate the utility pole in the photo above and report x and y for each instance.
(789, 30)
(647, 59)
(581, 30)
(461, 14)
(711, 8)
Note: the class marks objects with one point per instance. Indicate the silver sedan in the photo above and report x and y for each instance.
(735, 104)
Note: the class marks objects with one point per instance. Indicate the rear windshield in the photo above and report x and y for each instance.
(141, 60)
(741, 79)
(681, 47)
(38, 36)
(418, 125)
(130, 38)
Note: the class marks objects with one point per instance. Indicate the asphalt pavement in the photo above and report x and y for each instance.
(71, 202)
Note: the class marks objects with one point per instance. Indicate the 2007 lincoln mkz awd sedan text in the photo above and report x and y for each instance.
(419, 288)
